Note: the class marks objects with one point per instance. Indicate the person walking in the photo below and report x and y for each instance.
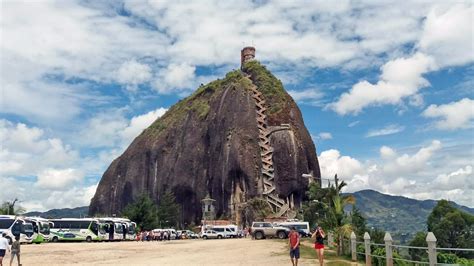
(4, 246)
(15, 251)
(319, 244)
(294, 241)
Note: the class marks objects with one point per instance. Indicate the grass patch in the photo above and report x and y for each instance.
(271, 87)
(198, 103)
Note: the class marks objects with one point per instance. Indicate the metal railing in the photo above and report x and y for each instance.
(431, 250)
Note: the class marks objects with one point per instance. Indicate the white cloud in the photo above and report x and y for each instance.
(325, 135)
(308, 96)
(175, 77)
(111, 129)
(461, 178)
(353, 124)
(400, 78)
(132, 73)
(388, 130)
(409, 174)
(45, 43)
(139, 123)
(412, 163)
(27, 150)
(448, 34)
(331, 162)
(454, 115)
(387, 153)
(58, 178)
(34, 199)
(446, 40)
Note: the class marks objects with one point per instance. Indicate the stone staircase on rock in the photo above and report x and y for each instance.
(280, 206)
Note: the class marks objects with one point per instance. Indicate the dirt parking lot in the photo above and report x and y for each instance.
(180, 252)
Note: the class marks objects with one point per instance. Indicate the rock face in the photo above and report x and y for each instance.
(208, 143)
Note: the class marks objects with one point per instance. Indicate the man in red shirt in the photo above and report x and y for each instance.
(294, 241)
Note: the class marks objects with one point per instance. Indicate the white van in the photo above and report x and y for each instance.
(225, 230)
(301, 227)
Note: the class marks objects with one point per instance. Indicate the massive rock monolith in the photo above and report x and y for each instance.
(212, 143)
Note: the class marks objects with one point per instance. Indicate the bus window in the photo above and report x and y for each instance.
(6, 223)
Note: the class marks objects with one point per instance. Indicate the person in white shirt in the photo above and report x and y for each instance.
(4, 246)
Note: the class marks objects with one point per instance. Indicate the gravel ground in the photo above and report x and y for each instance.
(179, 252)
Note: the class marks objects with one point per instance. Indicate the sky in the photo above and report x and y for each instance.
(386, 89)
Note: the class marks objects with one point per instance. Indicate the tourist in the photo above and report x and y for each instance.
(165, 235)
(294, 241)
(319, 244)
(4, 246)
(15, 250)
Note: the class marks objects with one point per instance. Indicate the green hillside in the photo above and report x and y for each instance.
(400, 216)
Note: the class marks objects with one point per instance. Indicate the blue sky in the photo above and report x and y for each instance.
(386, 90)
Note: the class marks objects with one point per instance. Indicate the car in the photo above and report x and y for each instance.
(208, 234)
(188, 234)
(261, 230)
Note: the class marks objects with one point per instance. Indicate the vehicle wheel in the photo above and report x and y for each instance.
(204, 237)
(9, 240)
(88, 239)
(219, 237)
(281, 235)
(258, 235)
(55, 239)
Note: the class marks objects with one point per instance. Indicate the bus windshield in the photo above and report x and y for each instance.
(6, 223)
(27, 228)
(44, 228)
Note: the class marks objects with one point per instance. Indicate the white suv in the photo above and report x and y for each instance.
(212, 234)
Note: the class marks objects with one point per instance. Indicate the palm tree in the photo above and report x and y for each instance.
(337, 217)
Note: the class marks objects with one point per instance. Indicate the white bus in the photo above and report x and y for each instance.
(115, 228)
(16, 226)
(41, 227)
(73, 229)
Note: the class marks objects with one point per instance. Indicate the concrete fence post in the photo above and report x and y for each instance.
(353, 246)
(368, 257)
(431, 241)
(330, 239)
(388, 248)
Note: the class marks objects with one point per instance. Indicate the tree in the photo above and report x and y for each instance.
(257, 209)
(453, 228)
(168, 210)
(359, 223)
(377, 235)
(143, 211)
(418, 241)
(8, 208)
(326, 207)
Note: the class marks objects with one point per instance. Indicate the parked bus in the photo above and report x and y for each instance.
(115, 228)
(16, 226)
(73, 229)
(41, 228)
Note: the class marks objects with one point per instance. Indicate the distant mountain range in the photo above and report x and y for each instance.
(401, 216)
(77, 212)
